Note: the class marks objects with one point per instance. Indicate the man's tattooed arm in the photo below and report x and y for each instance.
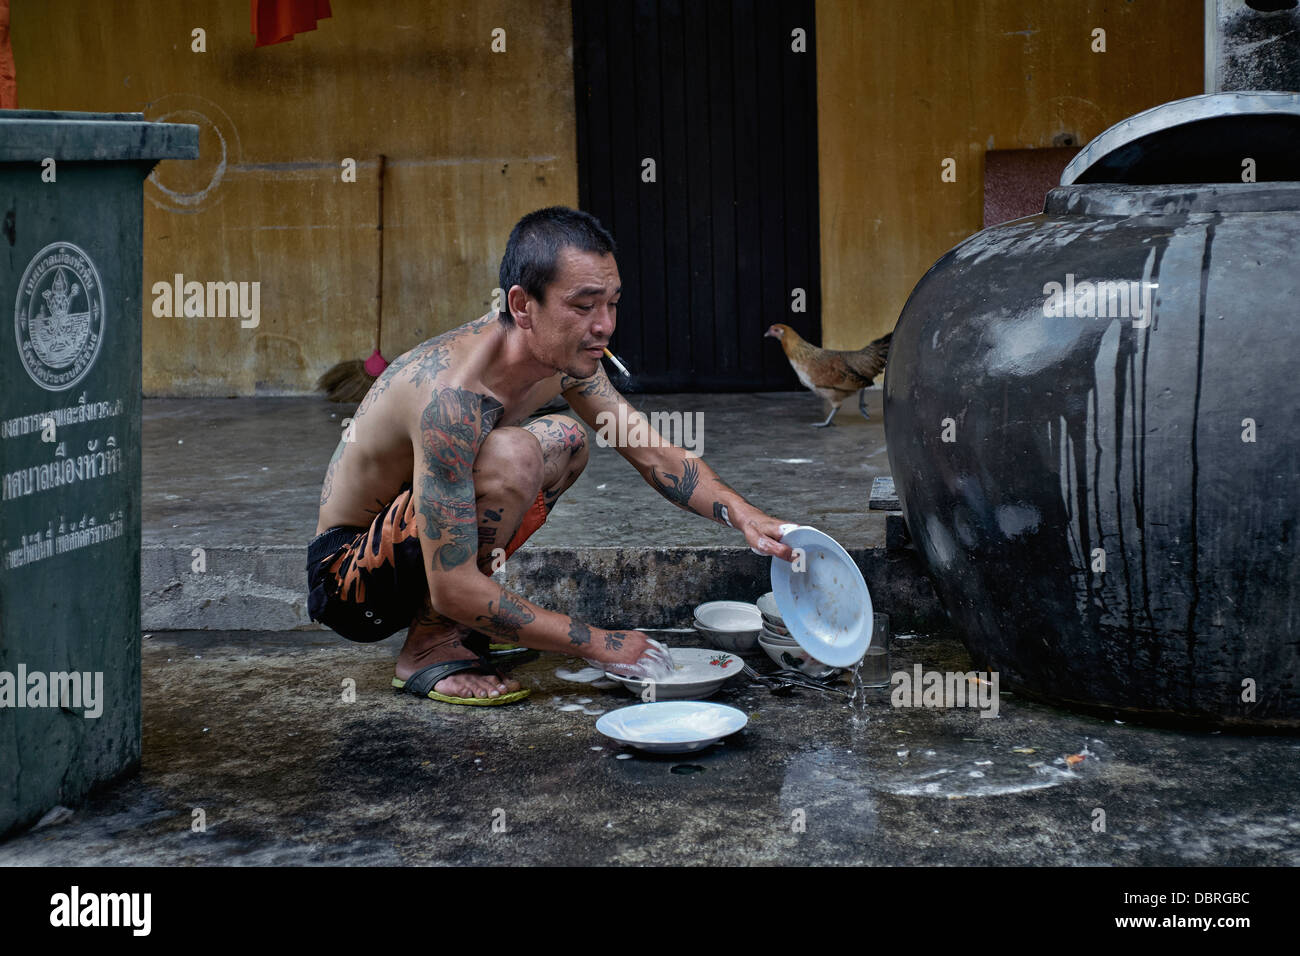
(678, 489)
(579, 634)
(508, 615)
(452, 427)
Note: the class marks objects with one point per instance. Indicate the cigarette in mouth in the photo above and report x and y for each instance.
(614, 358)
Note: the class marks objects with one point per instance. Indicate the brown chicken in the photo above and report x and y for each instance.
(833, 375)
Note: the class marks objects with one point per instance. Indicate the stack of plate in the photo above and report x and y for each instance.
(774, 630)
(784, 650)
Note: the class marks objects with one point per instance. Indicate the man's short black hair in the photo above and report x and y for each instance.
(533, 250)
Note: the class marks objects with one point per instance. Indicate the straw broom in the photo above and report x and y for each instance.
(348, 381)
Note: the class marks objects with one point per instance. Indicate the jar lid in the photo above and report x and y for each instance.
(1213, 138)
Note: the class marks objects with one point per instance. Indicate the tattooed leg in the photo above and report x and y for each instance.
(508, 473)
(564, 453)
(512, 465)
(507, 477)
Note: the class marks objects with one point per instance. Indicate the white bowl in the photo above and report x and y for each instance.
(767, 607)
(794, 657)
(729, 625)
(671, 727)
(699, 673)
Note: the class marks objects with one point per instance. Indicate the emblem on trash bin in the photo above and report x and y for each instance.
(59, 316)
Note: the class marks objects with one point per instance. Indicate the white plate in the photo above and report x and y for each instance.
(826, 607)
(772, 637)
(671, 727)
(699, 673)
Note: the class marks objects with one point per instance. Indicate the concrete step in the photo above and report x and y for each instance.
(265, 587)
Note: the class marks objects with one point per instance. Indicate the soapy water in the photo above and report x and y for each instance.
(579, 708)
(655, 663)
(953, 775)
(593, 676)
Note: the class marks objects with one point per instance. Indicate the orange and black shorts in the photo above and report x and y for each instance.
(367, 583)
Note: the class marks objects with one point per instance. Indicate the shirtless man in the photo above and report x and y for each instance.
(440, 470)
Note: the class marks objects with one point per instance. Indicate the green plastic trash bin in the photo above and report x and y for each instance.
(71, 236)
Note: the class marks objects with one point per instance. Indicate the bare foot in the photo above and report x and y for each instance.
(433, 639)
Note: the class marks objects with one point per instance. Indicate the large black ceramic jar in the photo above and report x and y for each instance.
(1092, 422)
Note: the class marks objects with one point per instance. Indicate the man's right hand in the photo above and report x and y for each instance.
(633, 654)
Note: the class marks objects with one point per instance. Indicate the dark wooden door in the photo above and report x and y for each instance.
(711, 250)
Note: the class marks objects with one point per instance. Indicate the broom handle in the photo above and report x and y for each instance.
(379, 285)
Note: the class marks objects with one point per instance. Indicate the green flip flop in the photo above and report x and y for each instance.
(422, 682)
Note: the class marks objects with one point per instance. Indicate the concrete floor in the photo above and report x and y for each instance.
(246, 729)
(227, 473)
(250, 729)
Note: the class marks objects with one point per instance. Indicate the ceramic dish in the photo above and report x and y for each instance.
(699, 673)
(671, 727)
(825, 605)
(729, 625)
(767, 607)
(774, 638)
(795, 658)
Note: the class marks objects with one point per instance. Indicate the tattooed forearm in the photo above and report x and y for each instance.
(721, 515)
(681, 489)
(508, 615)
(579, 634)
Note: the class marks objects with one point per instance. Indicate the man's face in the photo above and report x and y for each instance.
(574, 326)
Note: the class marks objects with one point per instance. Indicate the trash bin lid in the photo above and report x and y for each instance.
(34, 135)
(1201, 139)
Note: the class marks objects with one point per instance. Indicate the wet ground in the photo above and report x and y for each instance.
(252, 755)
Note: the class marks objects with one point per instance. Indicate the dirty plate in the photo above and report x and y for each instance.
(825, 606)
(671, 727)
(699, 673)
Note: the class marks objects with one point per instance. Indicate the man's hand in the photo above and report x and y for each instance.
(764, 535)
(632, 654)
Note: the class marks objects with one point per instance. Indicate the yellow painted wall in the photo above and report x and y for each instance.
(902, 85)
(474, 138)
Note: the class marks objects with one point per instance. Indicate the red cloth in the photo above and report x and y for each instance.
(275, 21)
(8, 81)
(534, 518)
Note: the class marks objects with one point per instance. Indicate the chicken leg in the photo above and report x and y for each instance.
(834, 408)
